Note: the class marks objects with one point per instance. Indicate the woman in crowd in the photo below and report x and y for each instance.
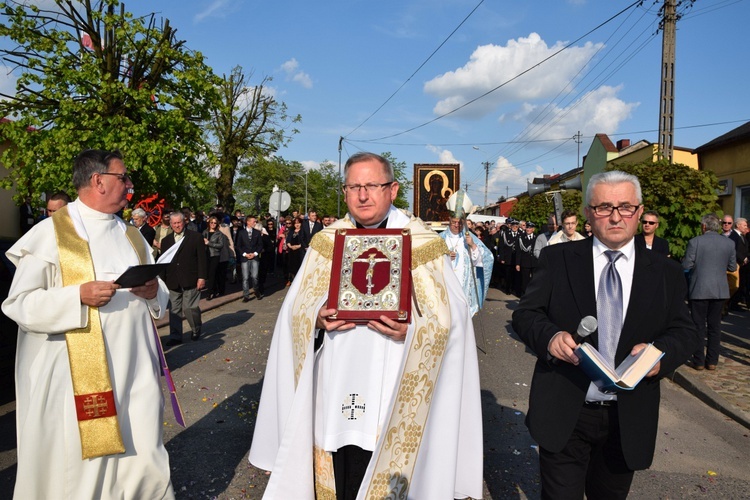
(295, 240)
(217, 245)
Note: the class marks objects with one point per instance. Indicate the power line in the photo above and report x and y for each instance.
(510, 79)
(417, 70)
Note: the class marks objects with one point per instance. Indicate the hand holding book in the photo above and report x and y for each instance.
(643, 361)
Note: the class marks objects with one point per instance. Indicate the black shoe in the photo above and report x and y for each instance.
(245, 299)
(210, 296)
(259, 296)
(194, 336)
(172, 342)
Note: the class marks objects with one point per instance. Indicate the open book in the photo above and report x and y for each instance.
(624, 377)
(138, 275)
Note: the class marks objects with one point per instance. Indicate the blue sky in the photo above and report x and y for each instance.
(336, 62)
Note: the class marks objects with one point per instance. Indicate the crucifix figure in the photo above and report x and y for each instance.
(371, 261)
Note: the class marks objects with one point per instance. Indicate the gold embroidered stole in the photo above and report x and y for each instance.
(396, 458)
(92, 386)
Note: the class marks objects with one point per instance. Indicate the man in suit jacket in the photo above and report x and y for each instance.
(647, 237)
(610, 436)
(185, 277)
(708, 258)
(738, 235)
(139, 220)
(310, 226)
(249, 246)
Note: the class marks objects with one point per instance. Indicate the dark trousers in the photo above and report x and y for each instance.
(221, 277)
(213, 265)
(187, 303)
(591, 462)
(706, 315)
(349, 466)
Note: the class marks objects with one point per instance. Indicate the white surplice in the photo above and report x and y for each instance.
(49, 447)
(291, 420)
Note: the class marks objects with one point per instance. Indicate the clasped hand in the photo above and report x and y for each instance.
(99, 293)
(386, 326)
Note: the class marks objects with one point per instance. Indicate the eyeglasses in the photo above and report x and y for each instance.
(370, 188)
(725, 223)
(648, 222)
(626, 211)
(124, 178)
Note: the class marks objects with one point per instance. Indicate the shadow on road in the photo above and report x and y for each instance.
(205, 457)
(511, 465)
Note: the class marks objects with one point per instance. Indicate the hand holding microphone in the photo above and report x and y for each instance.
(559, 347)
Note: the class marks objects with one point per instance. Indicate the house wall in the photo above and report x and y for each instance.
(731, 164)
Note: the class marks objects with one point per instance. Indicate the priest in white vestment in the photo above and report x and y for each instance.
(50, 463)
(471, 260)
(406, 397)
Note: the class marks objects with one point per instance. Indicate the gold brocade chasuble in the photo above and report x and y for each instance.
(396, 458)
(92, 386)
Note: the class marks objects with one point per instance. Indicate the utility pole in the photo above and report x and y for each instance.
(666, 104)
(577, 137)
(486, 179)
(466, 187)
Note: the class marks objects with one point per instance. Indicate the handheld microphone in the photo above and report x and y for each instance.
(586, 327)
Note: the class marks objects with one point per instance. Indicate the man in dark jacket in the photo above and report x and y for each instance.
(589, 441)
(185, 277)
(249, 246)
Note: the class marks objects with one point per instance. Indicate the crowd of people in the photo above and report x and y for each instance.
(396, 405)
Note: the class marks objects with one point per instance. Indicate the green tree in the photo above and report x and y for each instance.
(538, 208)
(249, 123)
(681, 195)
(135, 87)
(403, 176)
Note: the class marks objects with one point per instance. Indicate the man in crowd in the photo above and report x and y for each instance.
(249, 247)
(543, 239)
(525, 260)
(647, 237)
(726, 225)
(470, 258)
(160, 232)
(568, 230)
(82, 338)
(738, 235)
(743, 293)
(56, 202)
(507, 255)
(310, 227)
(708, 258)
(185, 278)
(383, 374)
(591, 442)
(140, 221)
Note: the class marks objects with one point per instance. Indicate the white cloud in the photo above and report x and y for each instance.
(293, 73)
(492, 65)
(217, 8)
(444, 156)
(598, 111)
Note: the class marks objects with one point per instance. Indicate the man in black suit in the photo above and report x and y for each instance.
(139, 220)
(741, 248)
(310, 226)
(591, 442)
(249, 246)
(647, 237)
(185, 277)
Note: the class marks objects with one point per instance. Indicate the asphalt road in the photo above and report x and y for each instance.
(700, 452)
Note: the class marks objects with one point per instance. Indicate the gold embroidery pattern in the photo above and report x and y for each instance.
(403, 434)
(325, 483)
(427, 252)
(317, 275)
(323, 245)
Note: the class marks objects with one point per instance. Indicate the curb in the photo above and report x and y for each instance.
(702, 391)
